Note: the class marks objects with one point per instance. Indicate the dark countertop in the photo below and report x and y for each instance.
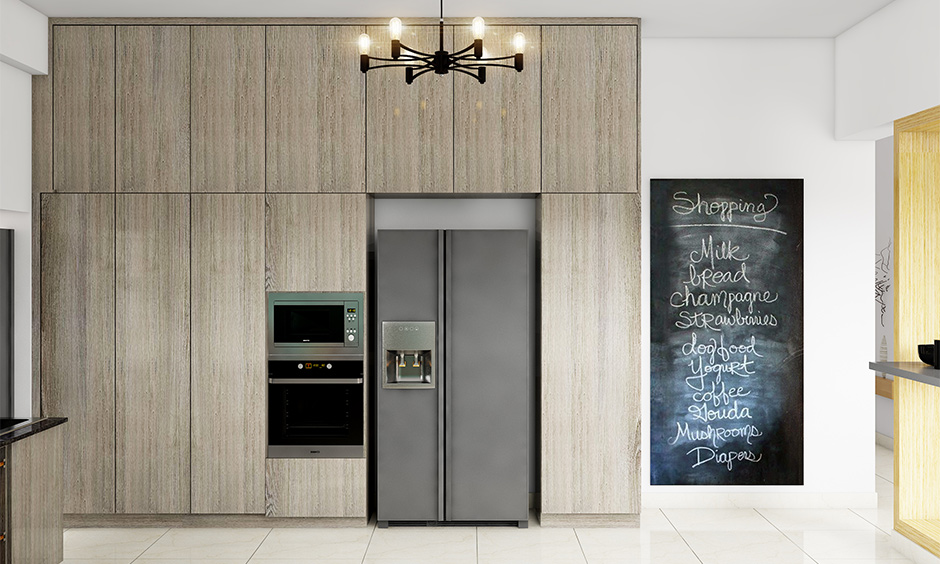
(917, 371)
(29, 428)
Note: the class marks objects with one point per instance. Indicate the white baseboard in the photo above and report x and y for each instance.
(773, 500)
(912, 550)
(884, 440)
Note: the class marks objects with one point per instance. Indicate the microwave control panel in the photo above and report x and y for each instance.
(352, 324)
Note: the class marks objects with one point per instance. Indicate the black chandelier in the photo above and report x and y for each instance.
(469, 60)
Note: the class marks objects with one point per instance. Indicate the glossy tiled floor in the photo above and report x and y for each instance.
(671, 536)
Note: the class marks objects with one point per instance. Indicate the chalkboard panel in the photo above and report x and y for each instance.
(726, 332)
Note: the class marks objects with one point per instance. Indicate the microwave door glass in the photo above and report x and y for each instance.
(308, 323)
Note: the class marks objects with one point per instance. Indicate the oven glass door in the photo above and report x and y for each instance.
(309, 324)
(313, 413)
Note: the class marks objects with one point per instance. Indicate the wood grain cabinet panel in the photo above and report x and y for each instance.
(228, 108)
(77, 337)
(316, 487)
(410, 128)
(152, 353)
(152, 122)
(496, 124)
(590, 354)
(83, 109)
(315, 111)
(316, 242)
(589, 109)
(34, 468)
(228, 353)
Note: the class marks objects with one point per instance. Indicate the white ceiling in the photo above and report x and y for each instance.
(661, 18)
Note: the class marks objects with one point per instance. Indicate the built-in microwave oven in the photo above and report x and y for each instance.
(305, 325)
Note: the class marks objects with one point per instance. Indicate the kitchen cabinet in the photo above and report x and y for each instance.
(227, 108)
(590, 357)
(315, 110)
(77, 335)
(228, 344)
(152, 327)
(34, 490)
(152, 119)
(410, 127)
(589, 109)
(496, 125)
(316, 487)
(316, 242)
(83, 108)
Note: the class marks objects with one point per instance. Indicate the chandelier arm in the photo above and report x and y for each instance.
(415, 51)
(478, 66)
(425, 67)
(483, 59)
(466, 72)
(462, 51)
(402, 59)
(419, 73)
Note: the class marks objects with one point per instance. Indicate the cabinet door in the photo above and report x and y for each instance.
(152, 356)
(589, 109)
(316, 114)
(228, 108)
(83, 108)
(590, 399)
(316, 487)
(316, 242)
(152, 108)
(228, 364)
(34, 518)
(496, 124)
(410, 127)
(77, 340)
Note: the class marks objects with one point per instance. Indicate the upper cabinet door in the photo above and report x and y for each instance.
(589, 109)
(228, 108)
(496, 124)
(153, 109)
(410, 126)
(83, 108)
(316, 117)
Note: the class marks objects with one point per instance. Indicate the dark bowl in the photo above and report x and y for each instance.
(925, 352)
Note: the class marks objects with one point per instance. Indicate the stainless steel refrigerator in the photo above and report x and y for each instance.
(452, 369)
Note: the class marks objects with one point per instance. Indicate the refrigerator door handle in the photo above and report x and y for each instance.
(441, 372)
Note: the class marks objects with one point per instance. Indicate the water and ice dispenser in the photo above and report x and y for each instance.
(409, 352)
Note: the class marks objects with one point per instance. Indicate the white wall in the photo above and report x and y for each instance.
(763, 108)
(888, 67)
(24, 35)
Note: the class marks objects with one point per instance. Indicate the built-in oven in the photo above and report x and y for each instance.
(315, 409)
(305, 325)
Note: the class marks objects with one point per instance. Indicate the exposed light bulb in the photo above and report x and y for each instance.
(394, 29)
(518, 42)
(364, 44)
(479, 27)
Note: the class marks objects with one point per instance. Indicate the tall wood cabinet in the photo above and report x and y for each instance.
(590, 388)
(152, 309)
(228, 364)
(77, 337)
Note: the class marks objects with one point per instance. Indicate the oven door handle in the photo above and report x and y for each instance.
(314, 380)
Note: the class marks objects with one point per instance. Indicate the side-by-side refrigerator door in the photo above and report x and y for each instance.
(407, 280)
(486, 367)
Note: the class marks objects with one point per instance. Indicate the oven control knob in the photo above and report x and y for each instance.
(329, 366)
(300, 366)
(352, 337)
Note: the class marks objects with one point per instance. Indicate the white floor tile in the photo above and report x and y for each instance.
(286, 544)
(103, 544)
(207, 543)
(864, 561)
(301, 561)
(503, 544)
(816, 520)
(191, 561)
(845, 544)
(745, 547)
(634, 545)
(446, 544)
(654, 520)
(882, 517)
(884, 463)
(97, 561)
(717, 520)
